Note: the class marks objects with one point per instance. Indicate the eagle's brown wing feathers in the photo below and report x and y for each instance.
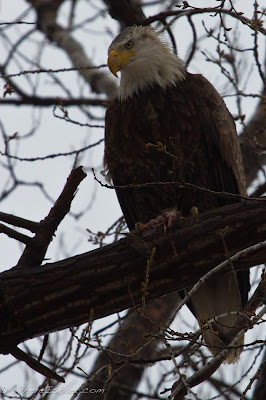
(224, 126)
(192, 121)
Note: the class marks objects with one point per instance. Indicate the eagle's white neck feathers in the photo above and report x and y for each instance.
(153, 63)
(150, 67)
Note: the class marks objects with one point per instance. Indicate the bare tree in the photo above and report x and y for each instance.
(54, 69)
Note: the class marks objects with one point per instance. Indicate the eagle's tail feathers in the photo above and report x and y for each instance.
(215, 297)
(215, 345)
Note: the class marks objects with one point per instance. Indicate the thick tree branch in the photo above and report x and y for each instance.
(56, 296)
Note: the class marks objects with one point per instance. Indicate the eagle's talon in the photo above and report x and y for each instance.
(166, 219)
(140, 227)
(194, 211)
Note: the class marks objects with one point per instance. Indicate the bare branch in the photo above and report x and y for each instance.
(35, 251)
(208, 10)
(20, 222)
(36, 365)
(99, 81)
(260, 388)
(14, 234)
(52, 101)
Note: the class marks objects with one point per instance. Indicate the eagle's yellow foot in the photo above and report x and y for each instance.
(140, 227)
(166, 219)
(170, 216)
(194, 211)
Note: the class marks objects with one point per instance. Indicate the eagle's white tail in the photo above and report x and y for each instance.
(215, 297)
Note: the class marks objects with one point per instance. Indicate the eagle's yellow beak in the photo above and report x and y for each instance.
(118, 60)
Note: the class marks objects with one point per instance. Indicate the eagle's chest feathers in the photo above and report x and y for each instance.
(145, 120)
(142, 128)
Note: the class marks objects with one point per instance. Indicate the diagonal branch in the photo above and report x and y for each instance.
(20, 222)
(35, 251)
(55, 296)
(36, 248)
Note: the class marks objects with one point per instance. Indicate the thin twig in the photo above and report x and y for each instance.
(180, 185)
(54, 71)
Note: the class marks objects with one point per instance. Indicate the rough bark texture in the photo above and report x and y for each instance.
(55, 296)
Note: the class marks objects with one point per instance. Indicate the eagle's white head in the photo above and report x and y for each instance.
(144, 60)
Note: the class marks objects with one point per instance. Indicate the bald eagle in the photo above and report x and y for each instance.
(160, 101)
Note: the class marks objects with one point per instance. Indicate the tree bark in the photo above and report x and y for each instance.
(55, 296)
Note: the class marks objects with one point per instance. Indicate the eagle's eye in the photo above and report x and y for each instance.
(129, 44)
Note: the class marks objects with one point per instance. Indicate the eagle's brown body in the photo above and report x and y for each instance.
(192, 121)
